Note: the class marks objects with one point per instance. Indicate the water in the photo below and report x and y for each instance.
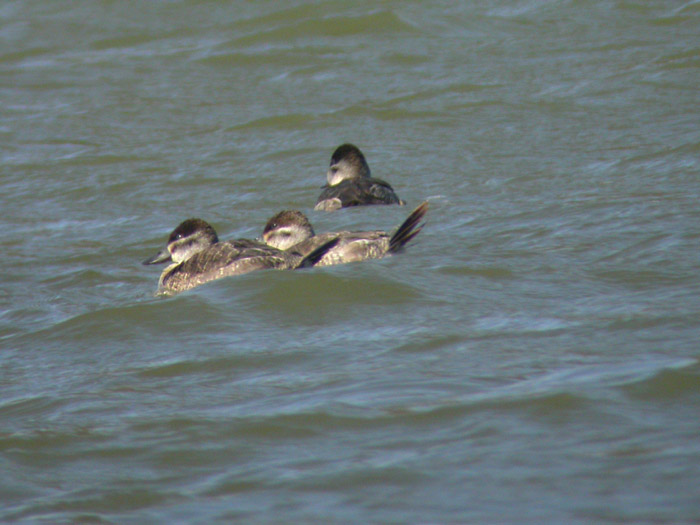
(531, 358)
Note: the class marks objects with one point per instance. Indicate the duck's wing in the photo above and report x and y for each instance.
(359, 191)
(224, 259)
(352, 246)
(305, 247)
(316, 255)
(382, 192)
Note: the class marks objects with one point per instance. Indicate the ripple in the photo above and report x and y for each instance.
(331, 293)
(679, 381)
(129, 323)
(520, 324)
(383, 22)
(218, 366)
(289, 121)
(497, 273)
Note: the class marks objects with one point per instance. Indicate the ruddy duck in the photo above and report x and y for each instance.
(291, 230)
(198, 257)
(350, 183)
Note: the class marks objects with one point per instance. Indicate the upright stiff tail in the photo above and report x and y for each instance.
(317, 254)
(408, 229)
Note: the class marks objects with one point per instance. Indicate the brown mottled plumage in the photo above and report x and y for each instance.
(350, 183)
(291, 230)
(198, 257)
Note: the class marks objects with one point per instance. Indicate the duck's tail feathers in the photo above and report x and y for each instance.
(408, 229)
(317, 254)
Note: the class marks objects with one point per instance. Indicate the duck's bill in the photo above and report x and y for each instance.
(161, 257)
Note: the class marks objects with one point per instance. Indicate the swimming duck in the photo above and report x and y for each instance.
(197, 257)
(350, 183)
(291, 230)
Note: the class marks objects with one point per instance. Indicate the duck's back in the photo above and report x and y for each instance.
(358, 191)
(351, 246)
(223, 259)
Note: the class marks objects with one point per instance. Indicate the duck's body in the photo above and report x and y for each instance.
(361, 191)
(292, 231)
(221, 260)
(350, 183)
(198, 257)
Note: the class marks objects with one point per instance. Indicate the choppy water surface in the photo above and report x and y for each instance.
(532, 357)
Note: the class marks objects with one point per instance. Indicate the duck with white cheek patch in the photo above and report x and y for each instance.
(291, 230)
(350, 183)
(197, 257)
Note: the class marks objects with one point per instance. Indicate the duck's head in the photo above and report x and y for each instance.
(347, 162)
(190, 237)
(286, 229)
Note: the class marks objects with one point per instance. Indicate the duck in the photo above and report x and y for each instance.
(350, 183)
(197, 257)
(291, 230)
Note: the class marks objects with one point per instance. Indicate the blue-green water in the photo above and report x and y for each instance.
(531, 358)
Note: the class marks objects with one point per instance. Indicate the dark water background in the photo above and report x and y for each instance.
(532, 358)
